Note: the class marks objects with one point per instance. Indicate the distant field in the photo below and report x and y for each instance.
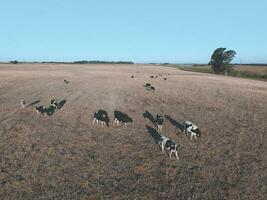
(64, 156)
(245, 71)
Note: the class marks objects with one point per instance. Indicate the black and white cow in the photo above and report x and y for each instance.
(159, 121)
(66, 82)
(41, 110)
(169, 144)
(101, 116)
(121, 117)
(192, 129)
(55, 104)
(22, 103)
(147, 85)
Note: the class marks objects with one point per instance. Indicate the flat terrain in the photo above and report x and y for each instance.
(254, 69)
(63, 156)
(257, 72)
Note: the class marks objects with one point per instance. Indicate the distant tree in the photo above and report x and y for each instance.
(221, 59)
(14, 62)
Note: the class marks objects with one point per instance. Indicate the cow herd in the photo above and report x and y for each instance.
(101, 117)
(54, 105)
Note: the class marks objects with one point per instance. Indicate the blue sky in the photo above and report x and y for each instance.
(176, 31)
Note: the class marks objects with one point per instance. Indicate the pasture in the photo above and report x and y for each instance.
(256, 72)
(65, 156)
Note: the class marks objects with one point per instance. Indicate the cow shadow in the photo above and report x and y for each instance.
(51, 110)
(154, 134)
(176, 124)
(61, 103)
(149, 116)
(33, 103)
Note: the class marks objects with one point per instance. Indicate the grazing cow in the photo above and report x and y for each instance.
(159, 121)
(147, 85)
(55, 104)
(191, 128)
(165, 79)
(132, 76)
(66, 82)
(101, 116)
(22, 103)
(121, 117)
(151, 76)
(166, 143)
(41, 110)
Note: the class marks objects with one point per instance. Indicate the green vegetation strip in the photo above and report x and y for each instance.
(239, 72)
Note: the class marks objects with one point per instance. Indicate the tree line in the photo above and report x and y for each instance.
(75, 62)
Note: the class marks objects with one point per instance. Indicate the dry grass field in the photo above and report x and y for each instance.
(63, 156)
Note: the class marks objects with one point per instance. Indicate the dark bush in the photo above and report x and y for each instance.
(14, 62)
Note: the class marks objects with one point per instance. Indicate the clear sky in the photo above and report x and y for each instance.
(176, 31)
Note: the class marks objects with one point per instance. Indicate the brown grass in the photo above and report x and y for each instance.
(65, 157)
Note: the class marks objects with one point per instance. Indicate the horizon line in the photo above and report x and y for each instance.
(122, 62)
